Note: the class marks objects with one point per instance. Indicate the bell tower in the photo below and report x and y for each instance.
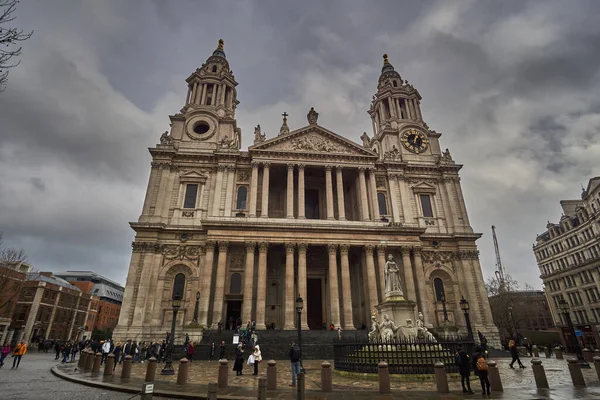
(207, 120)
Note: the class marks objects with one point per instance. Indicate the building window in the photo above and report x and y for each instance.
(426, 205)
(214, 68)
(191, 192)
(178, 286)
(382, 204)
(242, 195)
(438, 285)
(235, 285)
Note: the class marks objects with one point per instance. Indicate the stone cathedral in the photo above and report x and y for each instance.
(310, 213)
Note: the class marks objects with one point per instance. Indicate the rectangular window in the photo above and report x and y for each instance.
(426, 206)
(191, 191)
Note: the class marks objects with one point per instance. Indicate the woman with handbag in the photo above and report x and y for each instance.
(257, 358)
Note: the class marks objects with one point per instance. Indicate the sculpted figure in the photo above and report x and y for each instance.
(165, 138)
(374, 333)
(422, 331)
(388, 329)
(365, 139)
(258, 135)
(392, 276)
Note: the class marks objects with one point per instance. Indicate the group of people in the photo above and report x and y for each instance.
(17, 353)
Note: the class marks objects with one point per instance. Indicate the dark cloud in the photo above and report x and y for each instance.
(511, 85)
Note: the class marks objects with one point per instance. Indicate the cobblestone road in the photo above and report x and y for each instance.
(34, 381)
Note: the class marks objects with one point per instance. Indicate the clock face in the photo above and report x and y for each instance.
(414, 141)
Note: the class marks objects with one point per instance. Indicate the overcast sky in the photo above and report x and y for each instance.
(513, 87)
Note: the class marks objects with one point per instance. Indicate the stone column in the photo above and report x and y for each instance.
(220, 284)
(423, 299)
(230, 189)
(51, 320)
(409, 280)
(346, 289)
(301, 193)
(405, 194)
(264, 213)
(302, 247)
(391, 106)
(290, 191)
(218, 190)
(411, 105)
(381, 265)
(374, 202)
(461, 202)
(329, 191)
(205, 291)
(334, 294)
(364, 201)
(289, 287)
(253, 189)
(33, 312)
(371, 279)
(261, 290)
(203, 98)
(339, 180)
(394, 197)
(74, 318)
(248, 282)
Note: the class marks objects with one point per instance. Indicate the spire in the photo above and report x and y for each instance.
(219, 52)
(284, 130)
(388, 71)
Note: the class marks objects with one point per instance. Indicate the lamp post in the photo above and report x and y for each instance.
(464, 306)
(299, 307)
(168, 369)
(443, 300)
(195, 319)
(514, 326)
(564, 307)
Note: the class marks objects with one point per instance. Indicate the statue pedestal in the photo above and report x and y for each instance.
(446, 330)
(398, 310)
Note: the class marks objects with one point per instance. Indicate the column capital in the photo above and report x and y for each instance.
(290, 247)
(328, 168)
(301, 167)
(290, 166)
(263, 246)
(255, 164)
(344, 248)
(250, 246)
(210, 245)
(362, 169)
(380, 250)
(405, 250)
(266, 164)
(417, 250)
(221, 168)
(332, 248)
(302, 247)
(223, 245)
(371, 168)
(369, 249)
(339, 168)
(230, 167)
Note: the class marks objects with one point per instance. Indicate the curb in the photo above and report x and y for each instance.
(128, 389)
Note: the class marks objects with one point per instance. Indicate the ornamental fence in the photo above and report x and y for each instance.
(403, 356)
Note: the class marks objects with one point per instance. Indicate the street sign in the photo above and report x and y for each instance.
(236, 339)
(578, 333)
(149, 388)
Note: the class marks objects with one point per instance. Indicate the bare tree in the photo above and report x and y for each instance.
(10, 37)
(10, 256)
(495, 287)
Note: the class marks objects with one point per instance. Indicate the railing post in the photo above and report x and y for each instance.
(300, 391)
(262, 389)
(326, 384)
(536, 352)
(539, 374)
(587, 355)
(126, 371)
(597, 366)
(109, 364)
(494, 375)
(559, 353)
(223, 377)
(182, 374)
(384, 378)
(212, 391)
(441, 379)
(97, 362)
(272, 375)
(575, 371)
(89, 362)
(151, 370)
(82, 357)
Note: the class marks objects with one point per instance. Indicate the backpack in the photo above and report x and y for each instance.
(481, 364)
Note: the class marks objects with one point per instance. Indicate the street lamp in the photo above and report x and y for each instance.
(168, 369)
(514, 326)
(195, 319)
(299, 307)
(443, 300)
(564, 307)
(464, 306)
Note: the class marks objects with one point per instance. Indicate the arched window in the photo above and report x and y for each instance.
(235, 285)
(214, 68)
(242, 195)
(395, 83)
(178, 286)
(438, 285)
(382, 204)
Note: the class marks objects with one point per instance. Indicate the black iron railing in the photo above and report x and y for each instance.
(406, 356)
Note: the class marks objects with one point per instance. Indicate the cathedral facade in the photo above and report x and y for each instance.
(241, 234)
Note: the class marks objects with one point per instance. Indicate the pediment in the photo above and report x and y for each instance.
(312, 139)
(423, 186)
(192, 176)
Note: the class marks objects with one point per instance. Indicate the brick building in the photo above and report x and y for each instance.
(11, 281)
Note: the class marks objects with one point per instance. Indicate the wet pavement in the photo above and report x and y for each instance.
(518, 383)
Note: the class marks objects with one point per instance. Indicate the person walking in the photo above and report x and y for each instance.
(4, 353)
(220, 326)
(18, 353)
(463, 361)
(66, 352)
(105, 351)
(57, 349)
(257, 358)
(481, 369)
(514, 352)
(126, 350)
(222, 354)
(212, 352)
(190, 351)
(74, 351)
(238, 366)
(294, 354)
(117, 352)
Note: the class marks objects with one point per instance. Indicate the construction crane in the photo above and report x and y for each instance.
(499, 269)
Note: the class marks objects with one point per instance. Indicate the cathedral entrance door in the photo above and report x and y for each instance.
(234, 311)
(314, 307)
(311, 204)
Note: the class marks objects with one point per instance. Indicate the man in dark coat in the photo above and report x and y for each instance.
(463, 361)
(238, 366)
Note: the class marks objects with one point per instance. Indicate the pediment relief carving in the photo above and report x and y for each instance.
(193, 175)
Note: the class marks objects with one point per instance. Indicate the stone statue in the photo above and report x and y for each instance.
(259, 137)
(374, 333)
(422, 331)
(165, 138)
(392, 278)
(366, 139)
(446, 155)
(312, 116)
(387, 328)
